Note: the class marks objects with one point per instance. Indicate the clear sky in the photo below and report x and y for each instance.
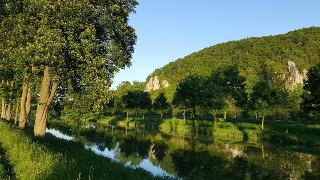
(170, 29)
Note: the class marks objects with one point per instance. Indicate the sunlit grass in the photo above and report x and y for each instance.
(52, 158)
(175, 127)
(241, 130)
(29, 159)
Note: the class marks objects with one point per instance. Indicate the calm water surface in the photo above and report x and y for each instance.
(200, 157)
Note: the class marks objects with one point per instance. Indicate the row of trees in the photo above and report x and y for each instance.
(224, 93)
(61, 52)
(131, 98)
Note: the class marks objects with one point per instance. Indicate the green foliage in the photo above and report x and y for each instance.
(254, 60)
(267, 101)
(188, 94)
(161, 103)
(224, 91)
(82, 43)
(29, 160)
(51, 158)
(311, 97)
(137, 100)
(174, 127)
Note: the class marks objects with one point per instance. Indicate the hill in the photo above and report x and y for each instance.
(290, 55)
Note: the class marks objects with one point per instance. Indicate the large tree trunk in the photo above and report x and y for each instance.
(3, 109)
(25, 105)
(8, 113)
(47, 92)
(262, 123)
(16, 113)
(28, 103)
(23, 115)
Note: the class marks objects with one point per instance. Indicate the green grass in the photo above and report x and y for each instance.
(227, 130)
(248, 131)
(52, 158)
(29, 159)
(175, 127)
(6, 170)
(293, 133)
(3, 173)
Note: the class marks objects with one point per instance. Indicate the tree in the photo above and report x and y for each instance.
(161, 104)
(137, 101)
(311, 96)
(249, 56)
(144, 102)
(214, 98)
(188, 94)
(11, 26)
(76, 45)
(224, 91)
(266, 101)
(262, 100)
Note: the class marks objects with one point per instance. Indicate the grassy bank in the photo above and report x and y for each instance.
(6, 170)
(249, 131)
(52, 158)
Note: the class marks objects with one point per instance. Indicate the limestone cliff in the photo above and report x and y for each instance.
(295, 77)
(154, 84)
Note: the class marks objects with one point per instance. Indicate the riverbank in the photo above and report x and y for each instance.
(53, 158)
(199, 156)
(292, 133)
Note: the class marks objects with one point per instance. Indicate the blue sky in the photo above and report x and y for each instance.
(170, 29)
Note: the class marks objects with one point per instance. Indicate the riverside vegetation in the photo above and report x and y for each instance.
(203, 154)
(236, 110)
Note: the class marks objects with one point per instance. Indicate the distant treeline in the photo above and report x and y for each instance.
(223, 94)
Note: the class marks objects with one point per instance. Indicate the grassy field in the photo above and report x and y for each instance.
(52, 158)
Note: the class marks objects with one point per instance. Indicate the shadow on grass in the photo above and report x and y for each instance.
(245, 136)
(76, 162)
(294, 133)
(6, 171)
(84, 164)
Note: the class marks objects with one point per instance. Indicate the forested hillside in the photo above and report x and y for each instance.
(252, 57)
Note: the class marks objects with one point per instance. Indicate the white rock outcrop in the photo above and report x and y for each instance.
(165, 84)
(154, 84)
(295, 77)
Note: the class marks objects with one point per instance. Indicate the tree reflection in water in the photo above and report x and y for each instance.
(189, 157)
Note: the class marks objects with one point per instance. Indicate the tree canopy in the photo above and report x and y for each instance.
(73, 47)
(311, 97)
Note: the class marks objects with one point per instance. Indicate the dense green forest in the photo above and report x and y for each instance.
(250, 56)
(255, 78)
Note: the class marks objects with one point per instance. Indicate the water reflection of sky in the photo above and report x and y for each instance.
(113, 154)
(59, 134)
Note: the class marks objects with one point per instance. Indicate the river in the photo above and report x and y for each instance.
(200, 157)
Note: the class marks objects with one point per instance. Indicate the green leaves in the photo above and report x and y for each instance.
(311, 97)
(161, 103)
(83, 43)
